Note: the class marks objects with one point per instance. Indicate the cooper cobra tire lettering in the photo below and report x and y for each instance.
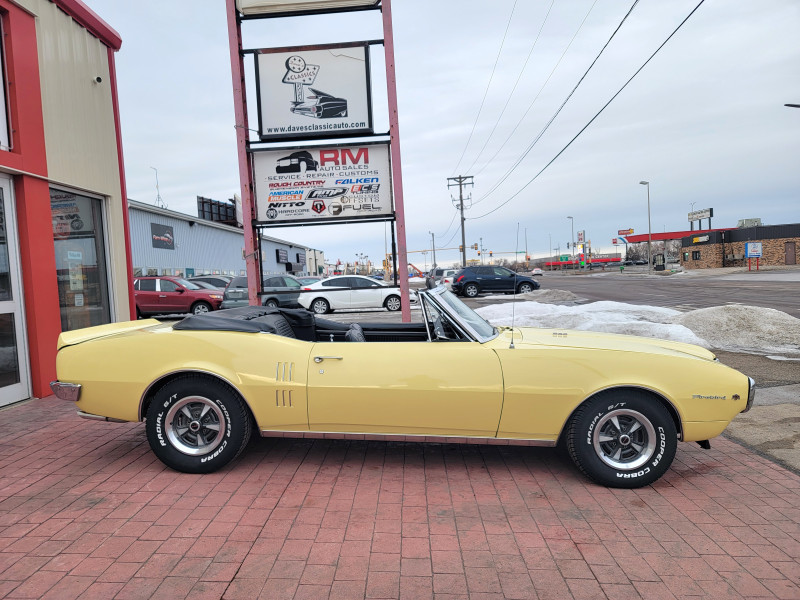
(622, 438)
(197, 424)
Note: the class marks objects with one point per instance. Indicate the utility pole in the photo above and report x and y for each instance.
(433, 247)
(481, 252)
(461, 181)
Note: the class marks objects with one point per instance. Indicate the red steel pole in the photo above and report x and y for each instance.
(245, 172)
(394, 151)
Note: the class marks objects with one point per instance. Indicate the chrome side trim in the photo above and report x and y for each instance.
(399, 437)
(92, 417)
(751, 395)
(66, 391)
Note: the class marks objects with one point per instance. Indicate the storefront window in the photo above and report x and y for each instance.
(80, 260)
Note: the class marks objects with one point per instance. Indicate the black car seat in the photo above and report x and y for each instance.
(355, 334)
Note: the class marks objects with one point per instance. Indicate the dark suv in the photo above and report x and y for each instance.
(472, 281)
(276, 288)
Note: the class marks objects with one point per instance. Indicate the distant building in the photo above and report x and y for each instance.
(165, 242)
(714, 249)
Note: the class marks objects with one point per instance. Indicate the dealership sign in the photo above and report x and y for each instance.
(753, 250)
(322, 184)
(699, 215)
(316, 92)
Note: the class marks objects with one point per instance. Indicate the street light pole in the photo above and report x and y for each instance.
(433, 246)
(572, 227)
(649, 231)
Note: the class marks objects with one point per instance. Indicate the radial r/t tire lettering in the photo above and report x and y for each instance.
(197, 424)
(622, 438)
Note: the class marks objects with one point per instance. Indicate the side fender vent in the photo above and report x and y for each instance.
(284, 371)
(283, 398)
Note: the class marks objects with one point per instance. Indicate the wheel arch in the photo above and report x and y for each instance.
(661, 398)
(150, 391)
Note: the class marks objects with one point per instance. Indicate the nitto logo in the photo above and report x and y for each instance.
(328, 192)
(285, 204)
(318, 206)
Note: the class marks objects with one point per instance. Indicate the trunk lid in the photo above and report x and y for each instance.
(78, 336)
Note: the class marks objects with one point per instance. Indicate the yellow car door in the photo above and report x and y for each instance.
(422, 388)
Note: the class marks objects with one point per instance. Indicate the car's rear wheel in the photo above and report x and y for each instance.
(392, 303)
(271, 303)
(471, 290)
(197, 424)
(524, 288)
(623, 438)
(320, 306)
(201, 308)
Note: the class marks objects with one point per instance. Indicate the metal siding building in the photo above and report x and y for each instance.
(198, 246)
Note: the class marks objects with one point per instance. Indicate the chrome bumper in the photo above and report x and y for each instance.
(751, 395)
(66, 391)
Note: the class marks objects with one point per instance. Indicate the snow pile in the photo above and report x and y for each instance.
(733, 328)
(549, 296)
(608, 317)
(748, 328)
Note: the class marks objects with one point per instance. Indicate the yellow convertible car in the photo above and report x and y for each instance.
(619, 404)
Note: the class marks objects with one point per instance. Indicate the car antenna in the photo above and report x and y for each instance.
(514, 301)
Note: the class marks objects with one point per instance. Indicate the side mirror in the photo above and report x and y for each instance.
(180, 290)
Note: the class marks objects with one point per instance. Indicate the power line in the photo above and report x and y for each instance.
(550, 122)
(516, 83)
(539, 93)
(449, 226)
(488, 85)
(664, 43)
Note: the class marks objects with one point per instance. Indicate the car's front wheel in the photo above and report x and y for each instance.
(624, 438)
(471, 290)
(271, 303)
(197, 424)
(392, 303)
(201, 308)
(320, 306)
(524, 288)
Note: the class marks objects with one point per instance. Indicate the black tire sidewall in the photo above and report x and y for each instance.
(235, 435)
(581, 447)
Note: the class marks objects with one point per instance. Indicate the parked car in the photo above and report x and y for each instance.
(321, 106)
(349, 291)
(277, 292)
(308, 280)
(472, 281)
(447, 277)
(452, 375)
(168, 295)
(218, 281)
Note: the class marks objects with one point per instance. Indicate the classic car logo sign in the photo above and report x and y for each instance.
(319, 106)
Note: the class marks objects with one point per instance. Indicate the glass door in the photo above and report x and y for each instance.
(14, 378)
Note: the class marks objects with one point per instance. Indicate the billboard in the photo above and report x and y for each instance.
(319, 184)
(316, 92)
(162, 236)
(699, 215)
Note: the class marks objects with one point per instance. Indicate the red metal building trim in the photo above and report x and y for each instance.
(669, 235)
(112, 73)
(89, 19)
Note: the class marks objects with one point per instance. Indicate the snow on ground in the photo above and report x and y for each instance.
(734, 328)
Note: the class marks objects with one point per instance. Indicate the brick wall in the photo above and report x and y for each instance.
(773, 253)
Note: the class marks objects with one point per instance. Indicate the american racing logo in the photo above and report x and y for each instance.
(327, 192)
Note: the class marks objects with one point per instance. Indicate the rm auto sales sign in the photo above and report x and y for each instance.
(318, 184)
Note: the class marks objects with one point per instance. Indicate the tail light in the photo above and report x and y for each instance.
(460, 278)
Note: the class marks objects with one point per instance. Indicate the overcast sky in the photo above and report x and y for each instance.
(704, 122)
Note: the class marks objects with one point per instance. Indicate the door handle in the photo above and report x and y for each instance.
(162, 295)
(319, 359)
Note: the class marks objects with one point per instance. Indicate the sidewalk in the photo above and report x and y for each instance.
(87, 511)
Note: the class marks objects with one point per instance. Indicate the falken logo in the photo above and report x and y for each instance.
(318, 206)
(702, 397)
(334, 192)
(357, 180)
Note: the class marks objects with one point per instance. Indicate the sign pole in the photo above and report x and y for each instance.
(394, 148)
(245, 172)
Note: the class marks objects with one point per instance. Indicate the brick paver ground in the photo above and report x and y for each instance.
(87, 511)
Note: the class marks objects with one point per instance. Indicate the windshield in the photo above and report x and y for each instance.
(187, 284)
(465, 314)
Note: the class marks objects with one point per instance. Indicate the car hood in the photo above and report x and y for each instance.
(592, 340)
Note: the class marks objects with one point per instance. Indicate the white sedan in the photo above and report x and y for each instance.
(349, 291)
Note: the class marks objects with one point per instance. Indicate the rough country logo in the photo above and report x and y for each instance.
(318, 206)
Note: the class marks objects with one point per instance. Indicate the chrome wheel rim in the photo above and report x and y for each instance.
(471, 291)
(525, 288)
(200, 309)
(320, 307)
(393, 304)
(195, 425)
(624, 439)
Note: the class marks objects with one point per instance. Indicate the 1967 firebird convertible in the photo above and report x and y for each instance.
(619, 404)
